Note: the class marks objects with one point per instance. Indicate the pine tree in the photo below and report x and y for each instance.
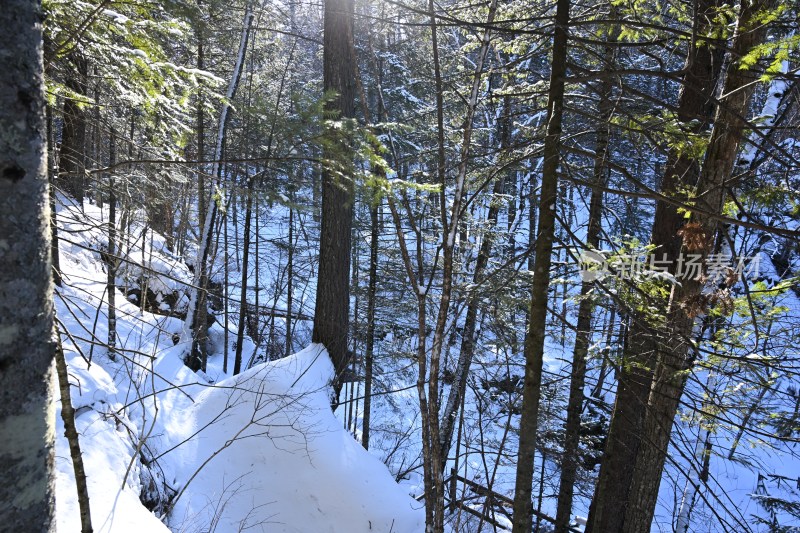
(331, 314)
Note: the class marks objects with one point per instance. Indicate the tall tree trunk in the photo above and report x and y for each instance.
(201, 130)
(225, 292)
(289, 283)
(370, 341)
(535, 336)
(243, 311)
(26, 287)
(52, 172)
(583, 336)
(467, 351)
(675, 355)
(695, 103)
(432, 450)
(331, 312)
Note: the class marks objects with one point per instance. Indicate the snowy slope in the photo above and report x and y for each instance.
(260, 450)
(277, 457)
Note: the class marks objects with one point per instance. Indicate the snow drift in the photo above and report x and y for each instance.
(270, 455)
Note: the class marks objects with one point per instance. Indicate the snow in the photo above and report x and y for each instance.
(277, 456)
(261, 450)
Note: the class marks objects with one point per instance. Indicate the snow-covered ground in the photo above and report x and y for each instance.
(260, 451)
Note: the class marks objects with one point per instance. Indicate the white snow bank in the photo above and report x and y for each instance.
(272, 457)
(107, 451)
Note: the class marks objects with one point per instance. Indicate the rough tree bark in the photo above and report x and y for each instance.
(535, 336)
(331, 312)
(675, 354)
(27, 421)
(695, 103)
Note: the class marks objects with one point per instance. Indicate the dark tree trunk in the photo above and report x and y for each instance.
(608, 508)
(112, 263)
(289, 284)
(52, 171)
(27, 348)
(535, 336)
(675, 355)
(370, 342)
(237, 361)
(583, 337)
(331, 314)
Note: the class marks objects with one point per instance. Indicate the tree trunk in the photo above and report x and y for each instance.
(583, 336)
(71, 434)
(225, 286)
(196, 324)
(248, 215)
(331, 313)
(289, 284)
(675, 356)
(201, 131)
(370, 342)
(52, 171)
(26, 287)
(535, 336)
(467, 351)
(695, 103)
(73, 137)
(112, 262)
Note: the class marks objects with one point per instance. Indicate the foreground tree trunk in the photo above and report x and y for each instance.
(695, 103)
(331, 314)
(675, 355)
(535, 336)
(27, 347)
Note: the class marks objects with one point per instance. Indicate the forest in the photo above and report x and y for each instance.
(405, 266)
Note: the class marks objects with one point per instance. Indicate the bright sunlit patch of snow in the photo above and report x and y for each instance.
(286, 463)
(276, 458)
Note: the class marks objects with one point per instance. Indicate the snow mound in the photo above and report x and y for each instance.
(269, 455)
